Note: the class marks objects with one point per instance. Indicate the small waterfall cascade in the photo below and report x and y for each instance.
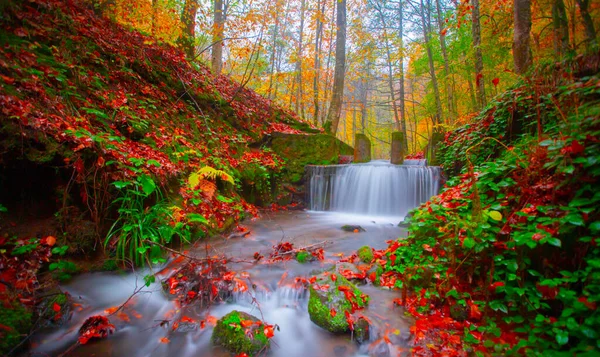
(377, 188)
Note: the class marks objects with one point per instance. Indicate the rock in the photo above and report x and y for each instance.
(365, 254)
(352, 228)
(304, 256)
(341, 266)
(340, 351)
(374, 274)
(55, 310)
(362, 148)
(230, 333)
(327, 304)
(361, 330)
(381, 349)
(398, 150)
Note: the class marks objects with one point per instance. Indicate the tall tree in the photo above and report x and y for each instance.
(560, 25)
(299, 91)
(401, 68)
(426, 25)
(447, 74)
(521, 48)
(317, 61)
(188, 30)
(476, 30)
(217, 41)
(335, 108)
(588, 24)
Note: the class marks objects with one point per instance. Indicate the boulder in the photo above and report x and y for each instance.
(331, 298)
(352, 228)
(239, 332)
(365, 254)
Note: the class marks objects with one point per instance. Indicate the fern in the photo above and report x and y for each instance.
(208, 173)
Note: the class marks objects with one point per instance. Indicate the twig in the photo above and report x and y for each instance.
(325, 242)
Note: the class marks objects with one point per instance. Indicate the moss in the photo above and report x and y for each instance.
(229, 334)
(110, 265)
(18, 321)
(302, 256)
(320, 314)
(365, 253)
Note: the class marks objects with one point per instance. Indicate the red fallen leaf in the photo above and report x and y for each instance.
(349, 320)
(7, 80)
(343, 288)
(537, 237)
(56, 307)
(5, 328)
(164, 340)
(95, 327)
(333, 312)
(474, 312)
(495, 81)
(229, 276)
(496, 285)
(49, 241)
(574, 148)
(243, 354)
(269, 331)
(590, 304)
(333, 277)
(187, 319)
(312, 280)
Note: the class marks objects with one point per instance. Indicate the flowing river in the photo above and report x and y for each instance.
(144, 326)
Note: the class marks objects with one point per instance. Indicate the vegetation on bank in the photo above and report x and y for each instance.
(505, 260)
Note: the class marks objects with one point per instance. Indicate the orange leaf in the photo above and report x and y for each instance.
(56, 307)
(164, 340)
(50, 241)
(269, 331)
(333, 312)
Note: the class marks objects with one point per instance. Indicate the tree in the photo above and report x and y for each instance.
(521, 48)
(588, 23)
(317, 60)
(426, 25)
(188, 29)
(335, 108)
(217, 45)
(560, 25)
(447, 81)
(479, 82)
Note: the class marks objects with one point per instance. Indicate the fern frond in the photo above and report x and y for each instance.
(208, 173)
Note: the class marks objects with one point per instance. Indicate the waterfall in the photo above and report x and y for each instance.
(377, 188)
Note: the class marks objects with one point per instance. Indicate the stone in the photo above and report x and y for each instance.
(398, 149)
(365, 254)
(362, 148)
(352, 228)
(361, 331)
(230, 334)
(327, 305)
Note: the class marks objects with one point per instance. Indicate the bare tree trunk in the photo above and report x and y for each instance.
(364, 84)
(217, 45)
(188, 30)
(328, 66)
(588, 24)
(340, 67)
(401, 68)
(434, 83)
(479, 82)
(560, 25)
(521, 48)
(447, 79)
(299, 59)
(318, 42)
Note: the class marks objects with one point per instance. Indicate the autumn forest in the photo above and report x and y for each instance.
(296, 178)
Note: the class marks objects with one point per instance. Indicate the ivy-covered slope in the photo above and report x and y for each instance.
(505, 260)
(97, 103)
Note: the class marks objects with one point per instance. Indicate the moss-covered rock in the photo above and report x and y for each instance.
(55, 309)
(301, 150)
(352, 228)
(365, 254)
(328, 305)
(304, 256)
(16, 321)
(239, 332)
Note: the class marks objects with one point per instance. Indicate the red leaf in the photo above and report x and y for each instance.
(269, 331)
(333, 312)
(495, 81)
(56, 307)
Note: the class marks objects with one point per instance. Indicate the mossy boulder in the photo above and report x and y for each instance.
(55, 310)
(352, 228)
(16, 321)
(300, 150)
(328, 304)
(239, 332)
(365, 254)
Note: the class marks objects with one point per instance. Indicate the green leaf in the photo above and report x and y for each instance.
(555, 242)
(595, 227)
(149, 279)
(562, 337)
(575, 219)
(468, 243)
(154, 163)
(495, 215)
(196, 218)
(148, 185)
(120, 184)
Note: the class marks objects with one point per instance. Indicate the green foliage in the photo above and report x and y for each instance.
(365, 253)
(62, 269)
(17, 320)
(530, 259)
(144, 216)
(302, 256)
(230, 333)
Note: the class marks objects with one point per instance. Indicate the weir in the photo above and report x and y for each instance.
(376, 188)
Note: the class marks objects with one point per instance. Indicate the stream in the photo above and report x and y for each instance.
(139, 331)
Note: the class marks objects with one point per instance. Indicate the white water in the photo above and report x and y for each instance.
(377, 188)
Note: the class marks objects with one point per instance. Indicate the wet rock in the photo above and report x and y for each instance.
(361, 330)
(340, 351)
(331, 298)
(352, 228)
(374, 274)
(365, 254)
(381, 349)
(346, 266)
(55, 309)
(239, 332)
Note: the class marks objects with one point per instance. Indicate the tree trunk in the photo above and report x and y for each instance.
(217, 45)
(521, 47)
(447, 79)
(363, 100)
(318, 42)
(328, 65)
(588, 23)
(479, 81)
(401, 67)
(188, 30)
(560, 25)
(273, 56)
(340, 67)
(434, 83)
(299, 59)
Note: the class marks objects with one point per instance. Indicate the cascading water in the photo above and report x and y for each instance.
(377, 188)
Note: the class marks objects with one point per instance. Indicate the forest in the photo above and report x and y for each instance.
(299, 178)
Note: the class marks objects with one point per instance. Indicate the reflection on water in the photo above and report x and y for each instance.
(148, 317)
